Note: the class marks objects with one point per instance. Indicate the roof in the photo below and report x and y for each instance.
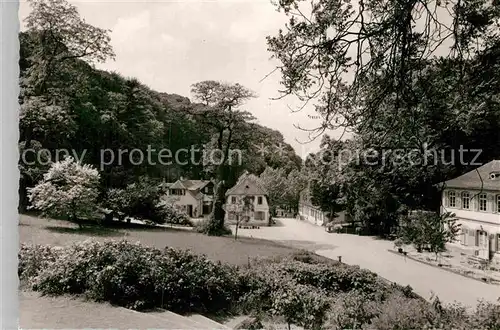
(189, 184)
(478, 178)
(248, 184)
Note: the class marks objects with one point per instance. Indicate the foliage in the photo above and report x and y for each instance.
(68, 189)
(221, 112)
(351, 310)
(430, 230)
(172, 215)
(318, 294)
(101, 116)
(300, 305)
(274, 181)
(138, 277)
(33, 259)
(410, 101)
(242, 209)
(142, 200)
(208, 227)
(283, 189)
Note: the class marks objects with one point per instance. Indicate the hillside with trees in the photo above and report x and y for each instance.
(67, 104)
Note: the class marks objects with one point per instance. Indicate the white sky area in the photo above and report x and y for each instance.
(169, 45)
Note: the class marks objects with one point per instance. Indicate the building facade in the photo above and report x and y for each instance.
(248, 186)
(192, 197)
(475, 200)
(313, 214)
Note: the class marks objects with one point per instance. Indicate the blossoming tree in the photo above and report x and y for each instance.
(68, 189)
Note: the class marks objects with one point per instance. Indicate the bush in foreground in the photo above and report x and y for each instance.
(309, 293)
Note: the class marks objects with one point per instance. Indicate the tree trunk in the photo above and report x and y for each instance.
(237, 225)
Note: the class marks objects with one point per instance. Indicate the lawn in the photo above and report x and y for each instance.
(33, 230)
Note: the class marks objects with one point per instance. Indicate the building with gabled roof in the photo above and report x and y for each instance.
(474, 198)
(193, 197)
(249, 185)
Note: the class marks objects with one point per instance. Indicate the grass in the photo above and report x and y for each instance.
(34, 230)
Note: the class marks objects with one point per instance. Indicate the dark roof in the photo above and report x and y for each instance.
(478, 178)
(189, 184)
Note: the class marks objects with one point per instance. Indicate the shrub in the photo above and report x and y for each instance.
(333, 278)
(487, 316)
(33, 259)
(399, 312)
(170, 215)
(209, 227)
(141, 200)
(135, 276)
(351, 310)
(300, 305)
(312, 295)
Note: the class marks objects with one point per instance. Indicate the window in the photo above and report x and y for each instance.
(498, 203)
(466, 200)
(259, 200)
(233, 200)
(452, 199)
(177, 192)
(498, 242)
(482, 202)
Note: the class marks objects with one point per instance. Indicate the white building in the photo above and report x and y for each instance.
(475, 199)
(249, 185)
(313, 214)
(193, 197)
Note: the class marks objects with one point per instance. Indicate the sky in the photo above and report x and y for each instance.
(170, 45)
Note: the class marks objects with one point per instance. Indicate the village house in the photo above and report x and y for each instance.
(475, 200)
(248, 185)
(192, 197)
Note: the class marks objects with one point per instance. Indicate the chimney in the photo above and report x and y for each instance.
(181, 178)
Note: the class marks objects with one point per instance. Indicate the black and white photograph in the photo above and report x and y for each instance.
(250, 164)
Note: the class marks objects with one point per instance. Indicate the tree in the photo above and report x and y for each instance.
(69, 190)
(405, 77)
(429, 230)
(61, 35)
(354, 57)
(221, 111)
(326, 196)
(275, 183)
(242, 209)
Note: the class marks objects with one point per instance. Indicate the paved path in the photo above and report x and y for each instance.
(372, 254)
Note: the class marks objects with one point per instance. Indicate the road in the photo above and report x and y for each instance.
(372, 254)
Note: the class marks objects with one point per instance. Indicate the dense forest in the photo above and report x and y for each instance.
(67, 104)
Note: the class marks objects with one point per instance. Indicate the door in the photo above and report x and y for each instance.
(190, 210)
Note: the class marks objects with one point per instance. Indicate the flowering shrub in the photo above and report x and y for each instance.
(68, 189)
